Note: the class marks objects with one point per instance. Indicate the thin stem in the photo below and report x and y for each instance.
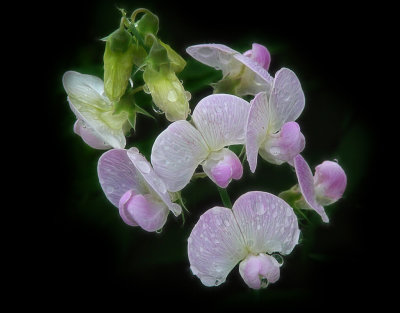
(226, 201)
(242, 151)
(198, 175)
(135, 90)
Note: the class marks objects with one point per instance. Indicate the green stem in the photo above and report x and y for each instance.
(226, 201)
(139, 37)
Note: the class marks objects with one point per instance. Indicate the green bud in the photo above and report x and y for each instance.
(177, 62)
(148, 23)
(167, 92)
(117, 69)
(158, 55)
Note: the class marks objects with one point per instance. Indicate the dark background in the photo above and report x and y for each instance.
(85, 256)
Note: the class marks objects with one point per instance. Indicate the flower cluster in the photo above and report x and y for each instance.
(259, 226)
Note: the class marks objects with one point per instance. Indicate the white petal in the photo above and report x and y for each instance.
(176, 153)
(221, 120)
(215, 246)
(268, 223)
(256, 128)
(90, 136)
(287, 98)
(152, 179)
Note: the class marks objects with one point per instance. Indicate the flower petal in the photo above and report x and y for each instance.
(255, 78)
(256, 127)
(261, 55)
(117, 175)
(176, 153)
(152, 179)
(268, 223)
(89, 136)
(287, 98)
(217, 56)
(215, 246)
(306, 184)
(221, 120)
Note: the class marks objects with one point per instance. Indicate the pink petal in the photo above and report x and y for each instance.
(259, 54)
(89, 136)
(256, 128)
(215, 246)
(255, 269)
(176, 153)
(117, 175)
(287, 98)
(221, 120)
(267, 223)
(126, 216)
(306, 184)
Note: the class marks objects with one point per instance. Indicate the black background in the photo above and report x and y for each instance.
(84, 256)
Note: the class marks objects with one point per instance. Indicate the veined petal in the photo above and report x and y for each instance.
(287, 99)
(152, 179)
(268, 223)
(117, 175)
(256, 127)
(86, 89)
(89, 136)
(217, 56)
(215, 246)
(221, 120)
(176, 153)
(306, 184)
(255, 78)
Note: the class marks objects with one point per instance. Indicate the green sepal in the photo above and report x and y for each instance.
(120, 40)
(227, 85)
(140, 110)
(139, 55)
(132, 119)
(148, 24)
(158, 55)
(291, 196)
(177, 62)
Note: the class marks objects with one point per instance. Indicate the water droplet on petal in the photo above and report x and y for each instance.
(109, 189)
(143, 167)
(260, 209)
(188, 95)
(172, 95)
(156, 109)
(146, 89)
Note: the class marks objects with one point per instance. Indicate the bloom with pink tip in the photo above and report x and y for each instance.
(130, 183)
(258, 225)
(247, 72)
(218, 121)
(324, 188)
(270, 128)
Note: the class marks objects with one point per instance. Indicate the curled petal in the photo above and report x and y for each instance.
(215, 246)
(287, 99)
(221, 120)
(89, 136)
(306, 184)
(152, 179)
(117, 175)
(143, 210)
(259, 270)
(330, 182)
(176, 153)
(217, 56)
(222, 167)
(260, 54)
(284, 145)
(256, 127)
(268, 223)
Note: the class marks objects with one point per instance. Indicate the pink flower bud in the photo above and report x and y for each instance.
(330, 182)
(260, 54)
(259, 270)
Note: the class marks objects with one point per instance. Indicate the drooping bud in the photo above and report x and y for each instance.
(148, 23)
(167, 92)
(330, 182)
(119, 57)
(284, 145)
(259, 270)
(222, 167)
(176, 61)
(143, 210)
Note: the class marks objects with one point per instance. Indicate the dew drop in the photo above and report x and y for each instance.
(188, 95)
(158, 231)
(172, 95)
(275, 151)
(109, 189)
(156, 109)
(146, 89)
(260, 209)
(226, 223)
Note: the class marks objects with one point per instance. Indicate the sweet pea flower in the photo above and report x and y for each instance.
(219, 121)
(96, 122)
(243, 74)
(130, 183)
(270, 129)
(324, 188)
(258, 225)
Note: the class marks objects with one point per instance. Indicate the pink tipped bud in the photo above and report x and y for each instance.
(260, 54)
(222, 167)
(258, 271)
(284, 145)
(142, 210)
(330, 182)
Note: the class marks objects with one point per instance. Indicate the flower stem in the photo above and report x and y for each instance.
(226, 201)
